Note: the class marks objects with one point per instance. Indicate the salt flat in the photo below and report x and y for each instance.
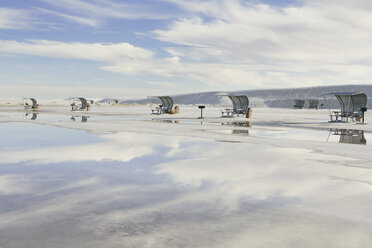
(120, 177)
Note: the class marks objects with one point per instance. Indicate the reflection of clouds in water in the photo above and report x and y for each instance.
(230, 173)
(120, 147)
(28, 184)
(214, 195)
(14, 184)
(239, 194)
(78, 197)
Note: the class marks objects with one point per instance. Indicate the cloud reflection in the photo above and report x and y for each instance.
(198, 192)
(231, 173)
(121, 147)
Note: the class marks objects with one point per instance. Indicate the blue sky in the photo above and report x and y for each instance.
(135, 48)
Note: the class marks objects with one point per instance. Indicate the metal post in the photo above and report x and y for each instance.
(348, 108)
(363, 109)
(201, 111)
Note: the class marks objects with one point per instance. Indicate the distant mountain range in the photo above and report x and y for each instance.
(279, 98)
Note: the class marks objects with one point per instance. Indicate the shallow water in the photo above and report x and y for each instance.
(344, 136)
(76, 116)
(68, 188)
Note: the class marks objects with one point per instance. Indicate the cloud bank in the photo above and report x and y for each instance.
(225, 44)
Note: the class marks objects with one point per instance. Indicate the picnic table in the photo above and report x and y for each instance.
(158, 110)
(337, 116)
(228, 112)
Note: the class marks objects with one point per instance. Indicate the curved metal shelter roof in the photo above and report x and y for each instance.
(167, 103)
(83, 101)
(240, 103)
(33, 100)
(351, 101)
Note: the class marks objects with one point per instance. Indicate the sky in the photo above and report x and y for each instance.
(137, 48)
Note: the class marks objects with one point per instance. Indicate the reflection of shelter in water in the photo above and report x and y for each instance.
(31, 116)
(350, 136)
(241, 131)
(238, 124)
(167, 121)
(83, 118)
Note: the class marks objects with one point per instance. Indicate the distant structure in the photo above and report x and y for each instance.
(313, 103)
(166, 106)
(78, 103)
(239, 106)
(113, 102)
(109, 101)
(352, 106)
(30, 103)
(299, 104)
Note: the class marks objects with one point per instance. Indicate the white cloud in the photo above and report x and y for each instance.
(14, 19)
(163, 84)
(104, 52)
(127, 59)
(233, 45)
(315, 43)
(12, 93)
(107, 9)
(130, 60)
(86, 13)
(80, 20)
